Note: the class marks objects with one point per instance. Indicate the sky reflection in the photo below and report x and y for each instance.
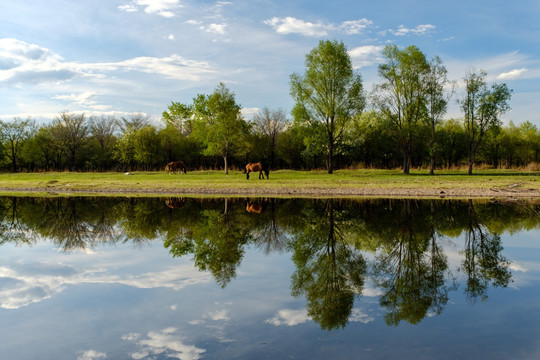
(164, 297)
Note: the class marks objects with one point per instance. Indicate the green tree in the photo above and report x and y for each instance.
(437, 101)
(180, 116)
(218, 124)
(482, 107)
(13, 135)
(147, 147)
(330, 93)
(401, 97)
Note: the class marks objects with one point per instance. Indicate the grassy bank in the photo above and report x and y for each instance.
(485, 183)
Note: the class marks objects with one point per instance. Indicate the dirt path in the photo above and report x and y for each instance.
(517, 192)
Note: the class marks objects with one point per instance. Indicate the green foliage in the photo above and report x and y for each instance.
(218, 124)
(329, 94)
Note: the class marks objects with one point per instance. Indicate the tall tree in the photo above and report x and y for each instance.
(401, 97)
(437, 101)
(13, 135)
(330, 93)
(482, 107)
(270, 124)
(103, 129)
(219, 125)
(71, 131)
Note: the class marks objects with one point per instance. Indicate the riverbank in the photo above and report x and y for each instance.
(284, 183)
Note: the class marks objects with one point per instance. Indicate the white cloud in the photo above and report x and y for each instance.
(291, 25)
(163, 8)
(85, 99)
(215, 28)
(289, 317)
(171, 37)
(366, 55)
(512, 75)
(355, 26)
(91, 355)
(218, 315)
(22, 62)
(419, 30)
(128, 8)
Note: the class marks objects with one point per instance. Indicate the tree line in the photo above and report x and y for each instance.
(334, 124)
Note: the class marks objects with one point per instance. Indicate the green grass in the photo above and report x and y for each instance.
(218, 183)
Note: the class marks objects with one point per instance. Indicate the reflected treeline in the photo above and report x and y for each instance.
(336, 245)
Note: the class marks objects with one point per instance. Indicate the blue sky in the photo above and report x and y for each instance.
(127, 56)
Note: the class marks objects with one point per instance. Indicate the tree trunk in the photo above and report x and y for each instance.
(406, 161)
(471, 162)
(329, 160)
(226, 165)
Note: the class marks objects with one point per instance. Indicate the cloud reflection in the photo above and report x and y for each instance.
(22, 285)
(289, 317)
(165, 343)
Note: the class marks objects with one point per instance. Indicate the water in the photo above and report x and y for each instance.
(156, 278)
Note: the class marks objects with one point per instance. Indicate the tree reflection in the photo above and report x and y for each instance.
(483, 263)
(329, 241)
(216, 243)
(411, 268)
(329, 270)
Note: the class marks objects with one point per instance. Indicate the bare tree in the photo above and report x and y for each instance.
(270, 123)
(71, 132)
(134, 122)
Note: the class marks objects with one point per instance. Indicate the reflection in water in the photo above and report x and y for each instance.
(337, 245)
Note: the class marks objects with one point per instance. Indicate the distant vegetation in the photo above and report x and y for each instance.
(334, 125)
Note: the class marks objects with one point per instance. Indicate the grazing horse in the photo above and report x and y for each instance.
(254, 167)
(176, 167)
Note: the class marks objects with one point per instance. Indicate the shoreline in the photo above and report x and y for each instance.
(398, 192)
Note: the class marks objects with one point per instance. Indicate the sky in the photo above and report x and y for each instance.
(108, 57)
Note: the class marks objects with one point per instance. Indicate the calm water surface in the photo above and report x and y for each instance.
(132, 278)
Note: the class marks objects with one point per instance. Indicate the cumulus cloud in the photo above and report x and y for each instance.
(366, 55)
(21, 62)
(91, 355)
(165, 8)
(289, 317)
(355, 26)
(85, 99)
(292, 25)
(215, 28)
(22, 285)
(218, 315)
(163, 343)
(513, 74)
(419, 30)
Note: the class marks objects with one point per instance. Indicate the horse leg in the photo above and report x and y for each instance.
(247, 175)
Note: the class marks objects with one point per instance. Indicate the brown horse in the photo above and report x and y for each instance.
(254, 167)
(255, 208)
(175, 203)
(176, 167)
